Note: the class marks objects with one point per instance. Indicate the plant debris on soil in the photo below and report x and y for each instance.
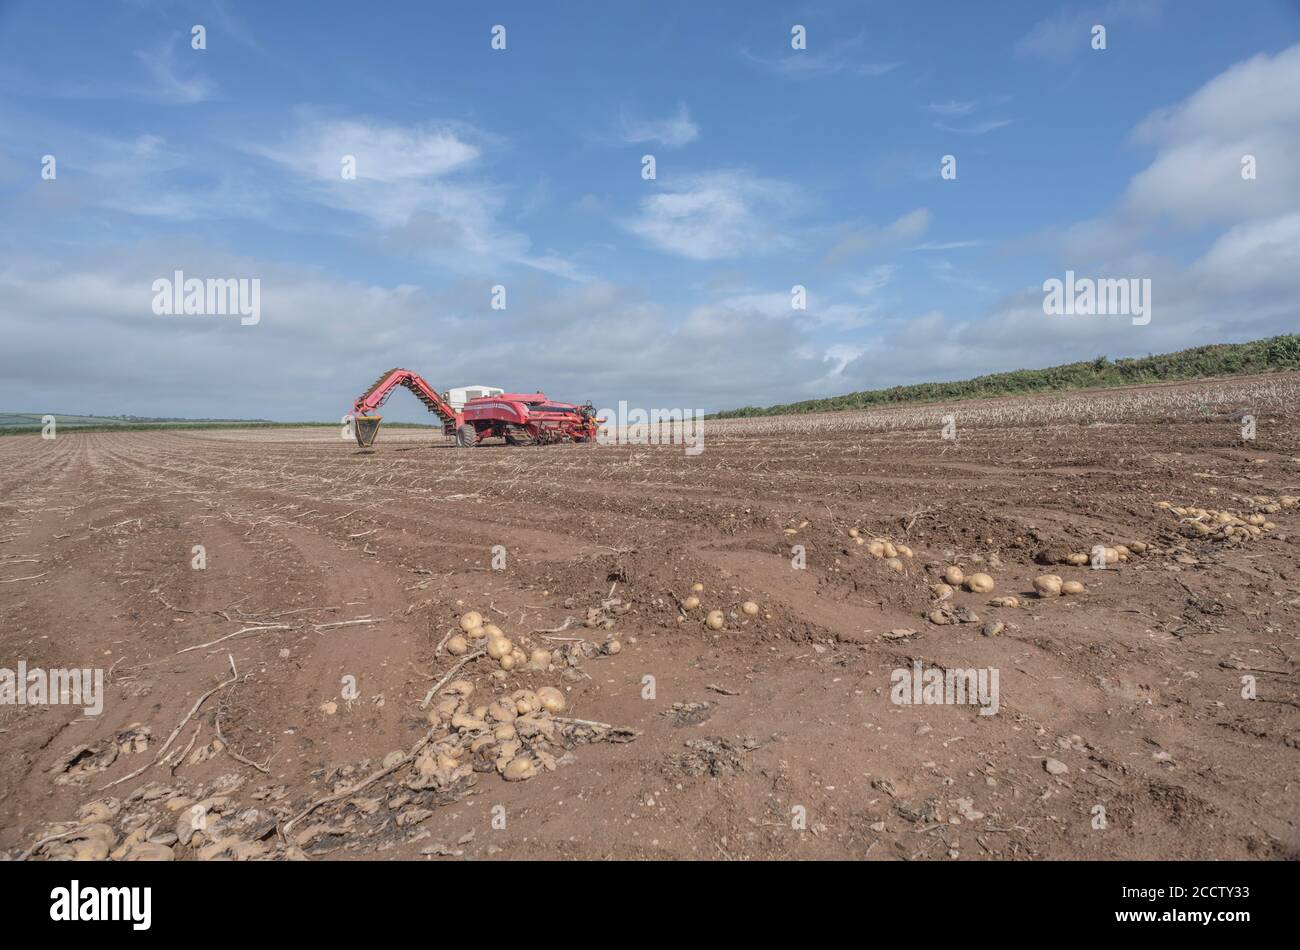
(676, 656)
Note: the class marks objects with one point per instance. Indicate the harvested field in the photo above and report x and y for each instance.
(293, 665)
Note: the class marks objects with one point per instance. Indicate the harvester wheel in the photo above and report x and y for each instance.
(466, 436)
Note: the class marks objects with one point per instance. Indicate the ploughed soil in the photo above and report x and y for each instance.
(1155, 715)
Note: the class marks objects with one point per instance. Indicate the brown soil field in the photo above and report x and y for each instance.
(1154, 715)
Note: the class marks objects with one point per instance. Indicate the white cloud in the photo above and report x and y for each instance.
(412, 183)
(321, 339)
(952, 107)
(168, 85)
(859, 241)
(384, 152)
(979, 128)
(839, 56)
(674, 131)
(1196, 176)
(716, 215)
(1067, 34)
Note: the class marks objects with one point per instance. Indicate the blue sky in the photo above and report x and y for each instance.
(522, 167)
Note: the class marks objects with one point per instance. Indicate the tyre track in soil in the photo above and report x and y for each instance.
(1156, 807)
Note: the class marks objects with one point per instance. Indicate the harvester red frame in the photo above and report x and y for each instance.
(518, 418)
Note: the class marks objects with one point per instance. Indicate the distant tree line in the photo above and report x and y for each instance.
(1223, 359)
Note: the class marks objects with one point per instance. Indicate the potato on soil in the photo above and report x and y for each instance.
(895, 565)
(979, 583)
(941, 591)
(697, 588)
(467, 723)
(470, 619)
(714, 620)
(1048, 585)
(749, 607)
(1005, 602)
(954, 575)
(498, 647)
(1071, 587)
(551, 699)
(613, 647)
(519, 769)
(502, 710)
(447, 708)
(541, 658)
(457, 645)
(691, 602)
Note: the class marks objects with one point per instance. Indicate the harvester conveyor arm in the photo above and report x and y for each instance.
(378, 393)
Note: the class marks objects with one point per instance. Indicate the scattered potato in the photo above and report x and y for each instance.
(749, 607)
(470, 619)
(714, 620)
(541, 657)
(691, 602)
(551, 700)
(613, 647)
(457, 645)
(954, 575)
(876, 549)
(698, 588)
(895, 565)
(1071, 587)
(498, 647)
(492, 630)
(1005, 602)
(1048, 585)
(467, 723)
(519, 769)
(853, 532)
(941, 591)
(979, 583)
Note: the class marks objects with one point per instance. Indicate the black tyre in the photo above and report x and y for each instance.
(466, 436)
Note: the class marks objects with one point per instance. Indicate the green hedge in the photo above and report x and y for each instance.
(1224, 359)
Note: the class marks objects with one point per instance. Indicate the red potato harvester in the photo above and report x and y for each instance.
(518, 418)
